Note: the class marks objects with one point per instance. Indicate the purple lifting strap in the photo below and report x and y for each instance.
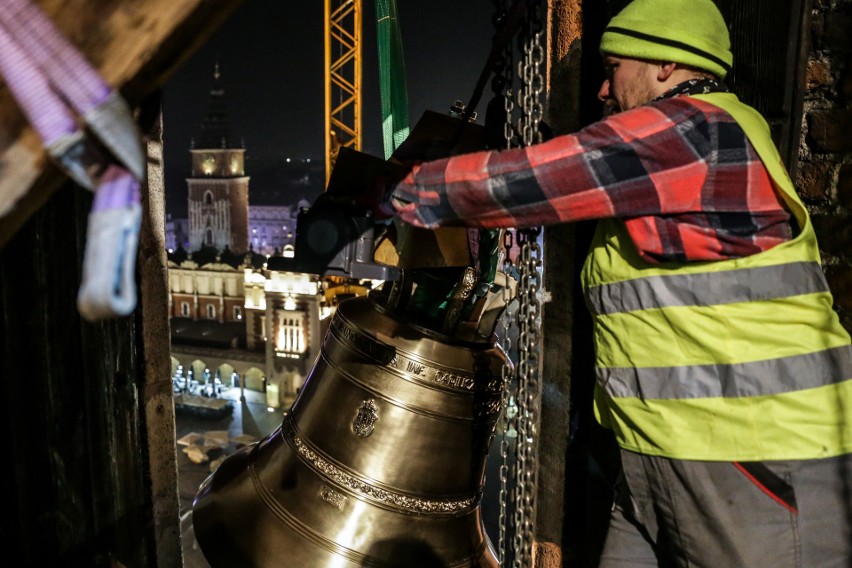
(65, 68)
(41, 105)
(53, 82)
(58, 91)
(117, 188)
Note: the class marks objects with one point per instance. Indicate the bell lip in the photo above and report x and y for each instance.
(209, 521)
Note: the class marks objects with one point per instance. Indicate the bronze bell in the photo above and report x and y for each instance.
(380, 461)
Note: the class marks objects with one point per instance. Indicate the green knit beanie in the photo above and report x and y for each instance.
(691, 32)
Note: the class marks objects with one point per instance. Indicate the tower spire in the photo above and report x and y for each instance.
(215, 128)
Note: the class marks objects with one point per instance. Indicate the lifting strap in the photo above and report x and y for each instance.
(89, 131)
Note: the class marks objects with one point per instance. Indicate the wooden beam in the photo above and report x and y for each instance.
(136, 45)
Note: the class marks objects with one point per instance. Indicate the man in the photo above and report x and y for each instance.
(721, 367)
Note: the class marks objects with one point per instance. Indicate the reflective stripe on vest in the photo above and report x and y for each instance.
(744, 285)
(755, 378)
(736, 360)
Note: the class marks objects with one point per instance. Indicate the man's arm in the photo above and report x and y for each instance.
(647, 161)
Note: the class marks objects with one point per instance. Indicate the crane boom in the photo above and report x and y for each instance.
(342, 78)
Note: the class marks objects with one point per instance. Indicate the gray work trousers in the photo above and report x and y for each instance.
(775, 514)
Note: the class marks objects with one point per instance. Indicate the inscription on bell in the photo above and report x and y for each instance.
(415, 368)
(332, 497)
(452, 380)
(365, 420)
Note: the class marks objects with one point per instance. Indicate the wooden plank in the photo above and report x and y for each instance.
(74, 467)
(565, 28)
(156, 397)
(136, 45)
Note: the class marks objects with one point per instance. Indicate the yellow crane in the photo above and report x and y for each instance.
(342, 78)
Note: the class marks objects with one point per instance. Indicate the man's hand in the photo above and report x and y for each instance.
(378, 198)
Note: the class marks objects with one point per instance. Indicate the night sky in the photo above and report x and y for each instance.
(270, 55)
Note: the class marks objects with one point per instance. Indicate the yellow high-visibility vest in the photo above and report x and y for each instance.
(735, 360)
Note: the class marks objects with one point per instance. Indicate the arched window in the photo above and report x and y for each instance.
(208, 238)
(184, 309)
(208, 198)
(211, 311)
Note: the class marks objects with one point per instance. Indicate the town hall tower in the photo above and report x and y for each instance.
(218, 186)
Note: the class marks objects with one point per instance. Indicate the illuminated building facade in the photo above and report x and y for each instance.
(233, 310)
(272, 228)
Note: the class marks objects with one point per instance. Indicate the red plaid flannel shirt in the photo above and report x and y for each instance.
(679, 172)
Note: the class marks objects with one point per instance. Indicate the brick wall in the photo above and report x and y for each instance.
(825, 168)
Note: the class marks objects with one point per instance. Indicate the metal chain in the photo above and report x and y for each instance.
(502, 86)
(521, 396)
(509, 416)
(529, 386)
(508, 102)
(530, 72)
(529, 395)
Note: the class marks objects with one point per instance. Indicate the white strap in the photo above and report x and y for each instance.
(108, 288)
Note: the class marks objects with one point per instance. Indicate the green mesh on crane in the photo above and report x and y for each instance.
(394, 93)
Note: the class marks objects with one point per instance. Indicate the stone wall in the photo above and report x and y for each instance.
(825, 167)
